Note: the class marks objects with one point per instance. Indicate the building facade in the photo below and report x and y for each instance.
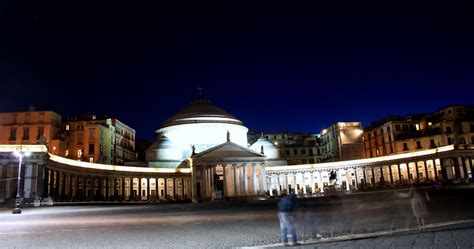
(396, 135)
(32, 127)
(99, 139)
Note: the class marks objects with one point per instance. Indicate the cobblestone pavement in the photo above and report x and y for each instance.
(232, 224)
(458, 234)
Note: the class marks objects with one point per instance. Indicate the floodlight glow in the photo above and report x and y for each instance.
(99, 166)
(348, 163)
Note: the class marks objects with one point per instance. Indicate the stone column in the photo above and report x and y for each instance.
(365, 178)
(101, 188)
(417, 173)
(400, 174)
(70, 194)
(462, 168)
(148, 188)
(76, 194)
(107, 189)
(123, 188)
(443, 169)
(373, 177)
(356, 179)
(165, 187)
(426, 171)
(244, 176)
(47, 180)
(139, 188)
(313, 190)
(264, 177)
(234, 170)
(56, 189)
(157, 188)
(94, 197)
(382, 177)
(390, 172)
(348, 180)
(457, 168)
(321, 182)
(224, 181)
(255, 180)
(132, 195)
(472, 169)
(410, 179)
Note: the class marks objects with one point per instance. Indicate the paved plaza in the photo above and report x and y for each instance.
(381, 220)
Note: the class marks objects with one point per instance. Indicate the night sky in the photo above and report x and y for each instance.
(276, 66)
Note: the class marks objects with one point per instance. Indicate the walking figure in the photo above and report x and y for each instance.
(418, 206)
(286, 206)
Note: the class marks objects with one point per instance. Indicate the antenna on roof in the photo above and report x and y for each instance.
(200, 90)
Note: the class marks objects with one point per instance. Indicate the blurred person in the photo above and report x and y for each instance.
(418, 200)
(286, 206)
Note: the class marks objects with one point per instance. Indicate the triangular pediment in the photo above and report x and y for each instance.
(228, 149)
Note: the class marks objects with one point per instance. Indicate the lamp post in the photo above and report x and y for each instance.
(20, 154)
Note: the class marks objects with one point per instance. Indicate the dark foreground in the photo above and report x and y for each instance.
(226, 225)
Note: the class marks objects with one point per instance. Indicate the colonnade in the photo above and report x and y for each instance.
(371, 175)
(76, 186)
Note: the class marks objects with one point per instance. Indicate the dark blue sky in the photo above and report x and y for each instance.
(275, 66)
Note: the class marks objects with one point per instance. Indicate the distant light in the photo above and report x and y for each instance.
(324, 131)
(276, 143)
(54, 147)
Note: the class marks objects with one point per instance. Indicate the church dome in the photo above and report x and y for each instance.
(198, 126)
(201, 110)
(269, 149)
(164, 148)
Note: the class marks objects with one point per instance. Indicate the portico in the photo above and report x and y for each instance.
(227, 171)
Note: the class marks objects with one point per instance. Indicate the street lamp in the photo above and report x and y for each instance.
(20, 154)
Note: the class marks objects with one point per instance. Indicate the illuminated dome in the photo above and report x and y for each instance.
(200, 125)
(164, 148)
(269, 149)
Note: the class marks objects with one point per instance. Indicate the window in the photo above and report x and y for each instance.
(311, 160)
(450, 140)
(91, 133)
(304, 160)
(397, 127)
(91, 159)
(12, 134)
(79, 153)
(80, 139)
(405, 127)
(405, 146)
(295, 151)
(417, 127)
(26, 133)
(303, 151)
(472, 140)
(67, 127)
(91, 149)
(40, 132)
(287, 152)
(388, 128)
(430, 123)
(432, 143)
(471, 128)
(66, 154)
(381, 130)
(448, 129)
(418, 144)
